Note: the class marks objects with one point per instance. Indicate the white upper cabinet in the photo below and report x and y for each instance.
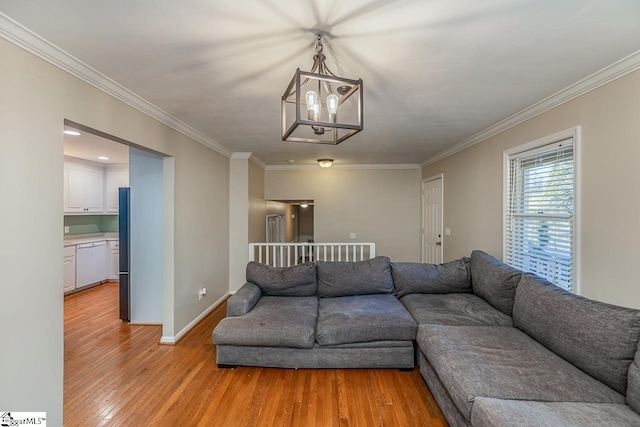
(92, 188)
(116, 176)
(83, 187)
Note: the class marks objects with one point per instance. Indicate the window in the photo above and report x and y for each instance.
(540, 214)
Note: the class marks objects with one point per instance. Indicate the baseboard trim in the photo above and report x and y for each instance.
(173, 340)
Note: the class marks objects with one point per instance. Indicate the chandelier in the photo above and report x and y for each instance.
(320, 107)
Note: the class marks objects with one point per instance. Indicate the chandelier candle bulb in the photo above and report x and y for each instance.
(332, 106)
(311, 98)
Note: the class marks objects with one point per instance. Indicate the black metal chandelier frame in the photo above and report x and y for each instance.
(337, 90)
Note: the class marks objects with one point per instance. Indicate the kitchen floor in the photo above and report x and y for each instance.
(117, 374)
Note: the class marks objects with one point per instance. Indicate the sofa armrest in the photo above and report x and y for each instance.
(243, 301)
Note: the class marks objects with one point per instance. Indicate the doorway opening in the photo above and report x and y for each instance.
(290, 221)
(96, 167)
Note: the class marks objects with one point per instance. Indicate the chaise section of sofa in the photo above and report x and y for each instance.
(488, 412)
(474, 361)
(566, 354)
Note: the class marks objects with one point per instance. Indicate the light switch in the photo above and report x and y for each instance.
(447, 232)
(66, 228)
(352, 235)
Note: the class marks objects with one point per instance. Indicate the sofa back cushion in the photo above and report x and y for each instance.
(601, 339)
(296, 281)
(416, 278)
(633, 383)
(494, 281)
(371, 276)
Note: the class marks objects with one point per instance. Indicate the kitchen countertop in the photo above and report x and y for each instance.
(78, 239)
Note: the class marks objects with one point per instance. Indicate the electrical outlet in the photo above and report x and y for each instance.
(447, 232)
(352, 235)
(66, 229)
(202, 293)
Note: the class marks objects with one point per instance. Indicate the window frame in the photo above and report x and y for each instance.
(575, 134)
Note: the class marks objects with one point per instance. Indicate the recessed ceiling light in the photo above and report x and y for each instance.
(72, 132)
(103, 158)
(304, 205)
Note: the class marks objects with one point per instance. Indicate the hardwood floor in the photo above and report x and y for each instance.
(117, 374)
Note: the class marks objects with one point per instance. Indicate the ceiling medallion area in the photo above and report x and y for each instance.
(319, 107)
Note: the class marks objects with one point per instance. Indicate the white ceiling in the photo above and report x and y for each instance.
(89, 147)
(435, 72)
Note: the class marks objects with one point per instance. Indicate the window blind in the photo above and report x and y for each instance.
(539, 223)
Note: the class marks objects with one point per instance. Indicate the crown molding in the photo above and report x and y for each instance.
(248, 155)
(400, 166)
(608, 74)
(258, 161)
(23, 37)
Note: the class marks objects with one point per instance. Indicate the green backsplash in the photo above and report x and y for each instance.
(86, 224)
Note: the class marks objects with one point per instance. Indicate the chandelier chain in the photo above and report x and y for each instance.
(319, 46)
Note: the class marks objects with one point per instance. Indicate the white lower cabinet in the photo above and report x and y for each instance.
(113, 261)
(69, 262)
(91, 266)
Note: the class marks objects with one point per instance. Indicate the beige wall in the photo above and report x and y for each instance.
(379, 205)
(257, 204)
(36, 98)
(238, 221)
(608, 188)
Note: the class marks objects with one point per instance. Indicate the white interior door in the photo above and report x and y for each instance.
(432, 220)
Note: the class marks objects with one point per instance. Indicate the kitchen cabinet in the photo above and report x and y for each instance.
(113, 261)
(83, 187)
(69, 262)
(116, 176)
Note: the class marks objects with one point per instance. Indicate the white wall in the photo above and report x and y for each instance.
(36, 98)
(146, 236)
(379, 205)
(608, 202)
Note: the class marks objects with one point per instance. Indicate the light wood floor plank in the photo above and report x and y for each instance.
(116, 374)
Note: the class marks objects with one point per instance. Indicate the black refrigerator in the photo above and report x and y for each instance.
(124, 230)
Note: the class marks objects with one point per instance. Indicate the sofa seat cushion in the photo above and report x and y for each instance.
(273, 322)
(489, 412)
(363, 318)
(475, 361)
(454, 310)
(601, 339)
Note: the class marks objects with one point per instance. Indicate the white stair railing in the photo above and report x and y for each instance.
(288, 254)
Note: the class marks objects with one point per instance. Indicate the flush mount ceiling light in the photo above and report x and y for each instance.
(103, 158)
(325, 163)
(320, 107)
(72, 132)
(304, 205)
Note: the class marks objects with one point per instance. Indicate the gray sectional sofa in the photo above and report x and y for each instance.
(496, 346)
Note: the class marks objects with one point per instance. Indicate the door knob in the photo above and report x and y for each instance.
(438, 243)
